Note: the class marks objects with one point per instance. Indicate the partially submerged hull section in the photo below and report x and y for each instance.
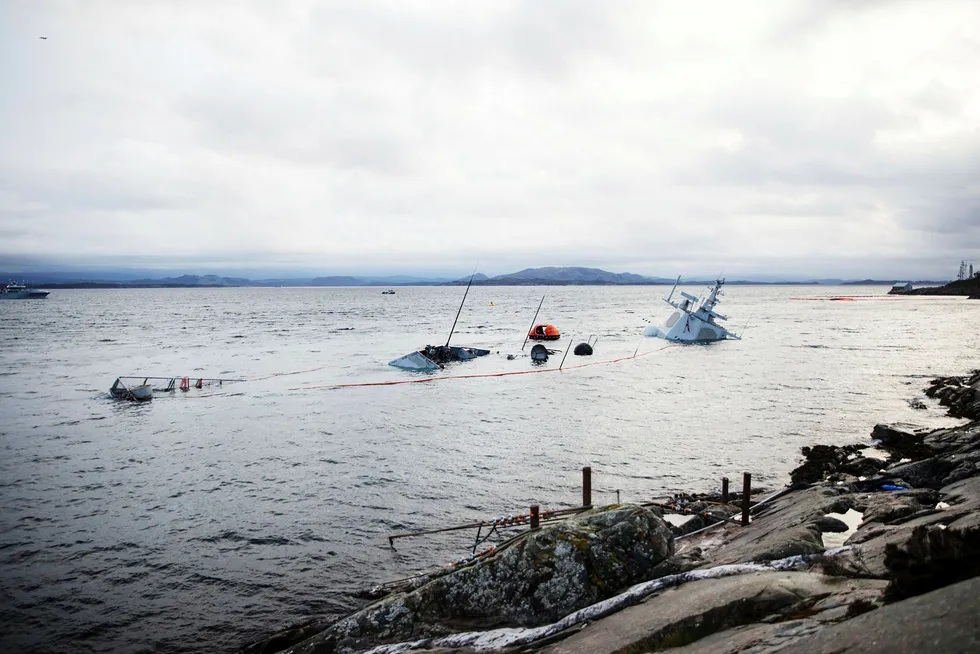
(694, 321)
(434, 357)
(137, 393)
(688, 329)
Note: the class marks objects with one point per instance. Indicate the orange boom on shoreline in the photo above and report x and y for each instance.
(544, 333)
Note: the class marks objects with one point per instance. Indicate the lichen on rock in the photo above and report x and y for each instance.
(550, 573)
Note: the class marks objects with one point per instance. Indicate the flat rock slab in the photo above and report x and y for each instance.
(678, 616)
(946, 620)
(787, 526)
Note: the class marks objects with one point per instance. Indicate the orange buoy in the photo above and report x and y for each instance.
(544, 333)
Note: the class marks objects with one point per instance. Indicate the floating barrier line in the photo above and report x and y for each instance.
(285, 374)
(425, 380)
(847, 298)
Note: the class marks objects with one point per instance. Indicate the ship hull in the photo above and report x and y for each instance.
(681, 328)
(24, 295)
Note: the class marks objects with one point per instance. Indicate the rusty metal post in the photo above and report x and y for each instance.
(535, 516)
(587, 486)
(724, 490)
(746, 492)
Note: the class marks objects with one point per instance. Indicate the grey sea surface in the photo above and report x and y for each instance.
(208, 518)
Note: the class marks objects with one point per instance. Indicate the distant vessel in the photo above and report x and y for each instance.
(388, 292)
(14, 291)
(695, 320)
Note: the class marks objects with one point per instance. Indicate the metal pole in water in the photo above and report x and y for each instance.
(746, 491)
(587, 486)
(460, 308)
(566, 353)
(724, 490)
(533, 320)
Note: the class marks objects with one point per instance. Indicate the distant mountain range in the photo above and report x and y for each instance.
(553, 276)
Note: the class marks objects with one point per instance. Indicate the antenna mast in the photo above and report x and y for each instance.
(460, 308)
(533, 320)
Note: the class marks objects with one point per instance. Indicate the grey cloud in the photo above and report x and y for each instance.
(938, 98)
(352, 132)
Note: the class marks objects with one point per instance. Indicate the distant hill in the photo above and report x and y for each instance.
(551, 275)
(881, 282)
(477, 278)
(563, 276)
(574, 275)
(191, 280)
(337, 281)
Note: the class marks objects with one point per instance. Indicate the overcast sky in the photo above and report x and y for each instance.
(824, 139)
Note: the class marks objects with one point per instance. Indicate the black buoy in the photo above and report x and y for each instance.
(583, 350)
(539, 353)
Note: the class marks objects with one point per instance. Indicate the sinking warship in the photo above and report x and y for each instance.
(695, 320)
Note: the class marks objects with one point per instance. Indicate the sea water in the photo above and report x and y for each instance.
(207, 518)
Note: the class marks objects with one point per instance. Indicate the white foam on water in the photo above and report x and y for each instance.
(852, 519)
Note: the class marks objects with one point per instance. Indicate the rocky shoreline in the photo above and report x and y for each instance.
(875, 547)
(968, 287)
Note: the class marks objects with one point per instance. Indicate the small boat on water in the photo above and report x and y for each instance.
(388, 292)
(544, 333)
(695, 320)
(137, 392)
(14, 291)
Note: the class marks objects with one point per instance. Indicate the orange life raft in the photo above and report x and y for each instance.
(544, 333)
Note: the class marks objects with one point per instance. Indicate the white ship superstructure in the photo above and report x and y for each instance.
(695, 320)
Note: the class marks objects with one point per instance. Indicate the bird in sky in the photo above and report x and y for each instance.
(43, 38)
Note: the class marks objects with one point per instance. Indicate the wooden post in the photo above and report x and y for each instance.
(724, 490)
(535, 516)
(746, 492)
(587, 486)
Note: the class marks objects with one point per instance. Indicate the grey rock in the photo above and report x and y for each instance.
(692, 525)
(548, 574)
(678, 563)
(829, 524)
(787, 526)
(927, 473)
(682, 615)
(922, 551)
(890, 506)
(944, 620)
(901, 441)
(820, 461)
(960, 394)
(917, 404)
(862, 467)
